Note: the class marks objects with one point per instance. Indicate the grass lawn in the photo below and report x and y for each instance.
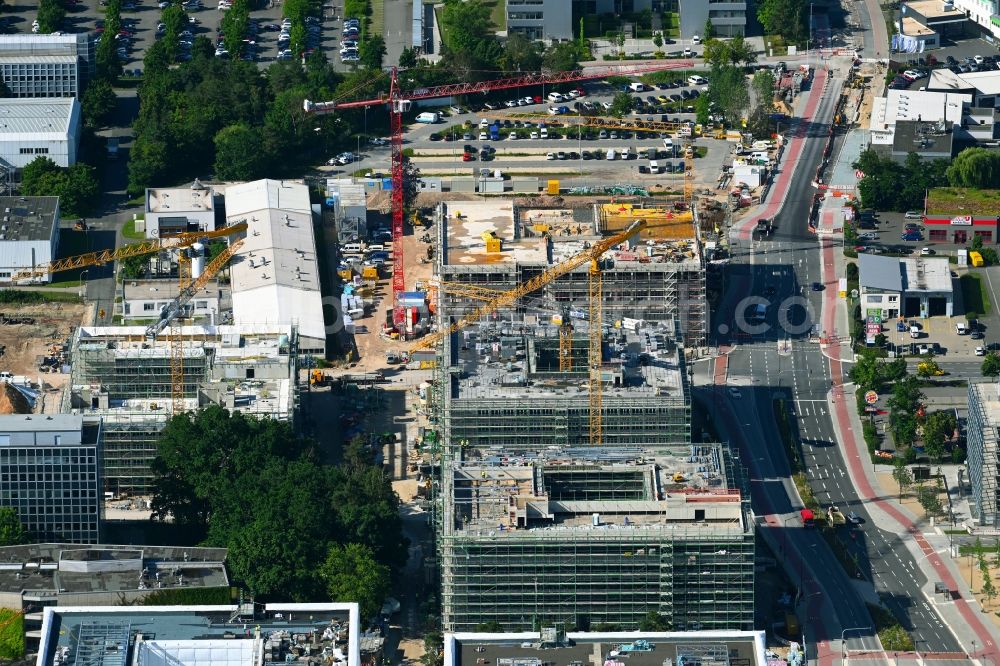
(974, 295)
(377, 17)
(962, 201)
(11, 634)
(128, 231)
(498, 13)
(65, 284)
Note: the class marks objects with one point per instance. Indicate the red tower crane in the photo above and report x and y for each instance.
(399, 103)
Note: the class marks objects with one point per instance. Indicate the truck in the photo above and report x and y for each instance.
(429, 117)
(636, 87)
(112, 148)
(835, 516)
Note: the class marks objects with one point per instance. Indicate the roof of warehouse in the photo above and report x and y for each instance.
(37, 116)
(27, 219)
(37, 45)
(275, 274)
(927, 274)
(877, 272)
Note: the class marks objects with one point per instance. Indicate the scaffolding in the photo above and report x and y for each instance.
(984, 451)
(663, 281)
(102, 644)
(582, 537)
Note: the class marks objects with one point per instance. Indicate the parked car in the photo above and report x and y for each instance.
(913, 215)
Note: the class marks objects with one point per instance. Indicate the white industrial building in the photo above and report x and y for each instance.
(175, 210)
(350, 209)
(922, 106)
(31, 128)
(56, 65)
(145, 299)
(275, 275)
(29, 234)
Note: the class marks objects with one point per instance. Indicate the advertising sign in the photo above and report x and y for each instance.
(961, 221)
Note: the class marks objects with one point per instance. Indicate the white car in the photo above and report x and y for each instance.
(854, 518)
(913, 74)
(979, 60)
(867, 236)
(550, 156)
(512, 136)
(378, 141)
(926, 251)
(528, 100)
(533, 135)
(980, 351)
(455, 109)
(913, 215)
(735, 392)
(696, 40)
(510, 104)
(555, 97)
(483, 136)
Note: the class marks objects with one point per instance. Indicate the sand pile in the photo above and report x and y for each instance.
(13, 401)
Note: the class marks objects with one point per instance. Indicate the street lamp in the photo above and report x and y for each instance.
(83, 280)
(843, 639)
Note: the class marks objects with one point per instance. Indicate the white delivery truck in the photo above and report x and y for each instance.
(636, 87)
(429, 117)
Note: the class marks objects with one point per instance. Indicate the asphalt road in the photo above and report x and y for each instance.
(782, 270)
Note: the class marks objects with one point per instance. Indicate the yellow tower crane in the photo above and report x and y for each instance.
(171, 317)
(506, 299)
(135, 250)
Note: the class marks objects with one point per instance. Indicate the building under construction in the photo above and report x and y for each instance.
(126, 378)
(497, 245)
(540, 525)
(581, 538)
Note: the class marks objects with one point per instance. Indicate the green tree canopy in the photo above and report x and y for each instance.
(351, 573)
(51, 14)
(521, 54)
(98, 102)
(372, 52)
(239, 153)
(975, 167)
(621, 105)
(991, 365)
(728, 90)
(12, 532)
(938, 427)
(888, 185)
(77, 187)
(787, 18)
(562, 57)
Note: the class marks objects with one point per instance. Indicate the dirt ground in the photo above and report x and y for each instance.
(891, 489)
(23, 344)
(969, 569)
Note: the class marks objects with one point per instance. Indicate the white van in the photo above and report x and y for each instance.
(543, 133)
(695, 80)
(376, 247)
(636, 87)
(429, 117)
(611, 155)
(654, 166)
(961, 328)
(759, 156)
(350, 248)
(914, 331)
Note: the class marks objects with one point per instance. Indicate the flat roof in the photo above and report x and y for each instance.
(28, 218)
(945, 79)
(707, 648)
(40, 423)
(915, 28)
(922, 137)
(878, 272)
(34, 45)
(99, 569)
(600, 490)
(178, 200)
(523, 363)
(989, 400)
(919, 105)
(165, 289)
(933, 9)
(986, 83)
(931, 274)
(954, 201)
(199, 635)
(547, 236)
(275, 274)
(42, 118)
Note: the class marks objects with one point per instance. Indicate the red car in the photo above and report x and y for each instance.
(537, 99)
(468, 157)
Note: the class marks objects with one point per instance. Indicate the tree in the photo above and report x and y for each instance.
(621, 105)
(902, 475)
(134, 268)
(975, 167)
(991, 365)
(654, 621)
(867, 371)
(787, 18)
(929, 500)
(709, 30)
(12, 532)
(561, 57)
(620, 43)
(407, 58)
(928, 368)
(51, 14)
(716, 52)
(81, 190)
(763, 88)
(657, 39)
(728, 90)
(239, 153)
(521, 54)
(742, 52)
(33, 175)
(938, 428)
(372, 52)
(351, 573)
(98, 102)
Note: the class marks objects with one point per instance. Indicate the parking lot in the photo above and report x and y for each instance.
(960, 53)
(144, 17)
